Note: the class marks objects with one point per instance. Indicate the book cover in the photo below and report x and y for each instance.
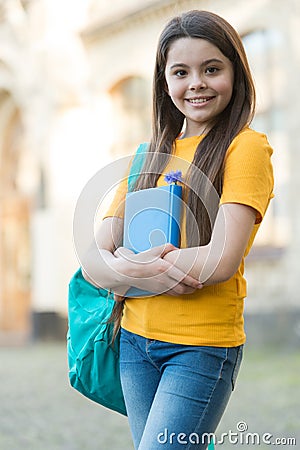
(152, 218)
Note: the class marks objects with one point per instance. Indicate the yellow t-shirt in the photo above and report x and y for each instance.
(213, 315)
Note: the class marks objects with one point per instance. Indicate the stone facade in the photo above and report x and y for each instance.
(75, 93)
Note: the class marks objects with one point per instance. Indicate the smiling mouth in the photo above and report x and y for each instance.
(199, 100)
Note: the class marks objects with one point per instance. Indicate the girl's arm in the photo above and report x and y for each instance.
(120, 270)
(219, 260)
(99, 266)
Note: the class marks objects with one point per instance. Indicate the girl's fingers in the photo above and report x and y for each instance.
(147, 256)
(149, 271)
(123, 252)
(193, 282)
(167, 248)
(182, 278)
(154, 253)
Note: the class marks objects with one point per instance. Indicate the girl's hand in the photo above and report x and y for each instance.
(149, 271)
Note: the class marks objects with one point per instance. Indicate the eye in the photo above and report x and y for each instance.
(211, 70)
(180, 73)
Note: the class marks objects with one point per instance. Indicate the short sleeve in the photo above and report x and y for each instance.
(117, 207)
(248, 173)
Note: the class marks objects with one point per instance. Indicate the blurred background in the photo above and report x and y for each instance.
(75, 93)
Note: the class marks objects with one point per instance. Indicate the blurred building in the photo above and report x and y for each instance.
(75, 93)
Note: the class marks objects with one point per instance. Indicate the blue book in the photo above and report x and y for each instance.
(152, 218)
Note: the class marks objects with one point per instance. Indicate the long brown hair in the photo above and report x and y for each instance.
(167, 120)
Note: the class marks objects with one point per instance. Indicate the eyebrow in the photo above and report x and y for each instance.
(208, 61)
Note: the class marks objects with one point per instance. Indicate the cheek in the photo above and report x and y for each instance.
(166, 87)
(174, 92)
(225, 87)
(172, 88)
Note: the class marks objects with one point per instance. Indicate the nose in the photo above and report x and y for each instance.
(197, 82)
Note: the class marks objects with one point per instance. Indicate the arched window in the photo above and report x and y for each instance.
(131, 98)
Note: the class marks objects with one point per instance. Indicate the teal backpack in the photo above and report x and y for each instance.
(93, 361)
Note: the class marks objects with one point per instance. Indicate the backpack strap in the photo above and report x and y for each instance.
(137, 164)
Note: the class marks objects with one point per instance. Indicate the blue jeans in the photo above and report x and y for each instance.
(174, 393)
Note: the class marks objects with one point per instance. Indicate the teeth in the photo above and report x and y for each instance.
(198, 100)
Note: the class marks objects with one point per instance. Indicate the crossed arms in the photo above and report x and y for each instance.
(166, 269)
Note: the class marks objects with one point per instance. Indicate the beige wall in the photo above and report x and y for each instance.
(72, 80)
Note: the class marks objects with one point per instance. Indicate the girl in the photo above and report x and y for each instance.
(180, 350)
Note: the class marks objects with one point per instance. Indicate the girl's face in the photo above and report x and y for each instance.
(199, 80)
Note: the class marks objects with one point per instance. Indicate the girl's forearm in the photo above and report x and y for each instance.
(202, 263)
(219, 260)
(102, 269)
